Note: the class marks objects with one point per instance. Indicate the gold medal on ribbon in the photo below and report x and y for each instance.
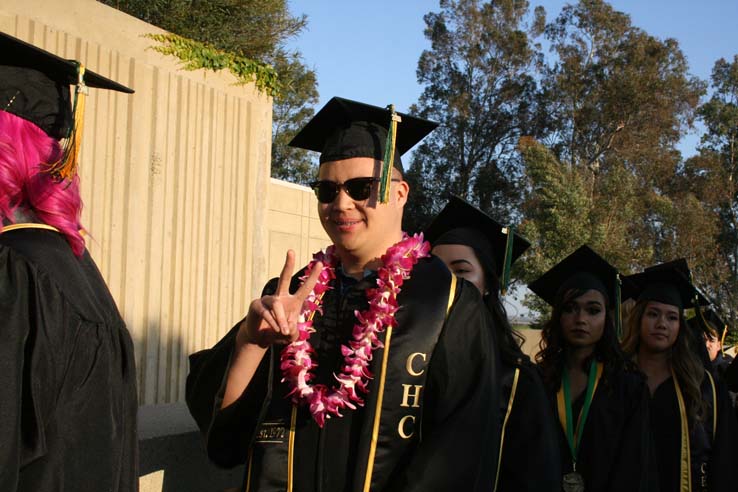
(574, 481)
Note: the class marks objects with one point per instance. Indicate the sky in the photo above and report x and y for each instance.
(368, 50)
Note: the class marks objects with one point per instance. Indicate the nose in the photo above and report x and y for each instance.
(343, 201)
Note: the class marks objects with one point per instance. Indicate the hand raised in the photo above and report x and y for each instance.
(273, 318)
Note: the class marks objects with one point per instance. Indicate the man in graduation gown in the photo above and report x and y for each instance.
(428, 416)
(67, 373)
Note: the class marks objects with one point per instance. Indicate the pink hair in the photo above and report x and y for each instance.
(24, 150)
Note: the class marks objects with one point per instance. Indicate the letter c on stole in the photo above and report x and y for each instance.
(401, 426)
(409, 363)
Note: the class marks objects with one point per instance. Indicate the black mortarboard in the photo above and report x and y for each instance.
(35, 85)
(668, 283)
(462, 223)
(582, 270)
(343, 129)
(709, 317)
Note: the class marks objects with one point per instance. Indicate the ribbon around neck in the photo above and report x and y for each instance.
(564, 400)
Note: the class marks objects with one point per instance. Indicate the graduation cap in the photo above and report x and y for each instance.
(709, 321)
(343, 129)
(582, 270)
(668, 283)
(35, 85)
(496, 246)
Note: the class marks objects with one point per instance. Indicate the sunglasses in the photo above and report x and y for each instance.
(358, 189)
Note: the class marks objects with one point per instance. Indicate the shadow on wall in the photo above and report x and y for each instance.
(172, 456)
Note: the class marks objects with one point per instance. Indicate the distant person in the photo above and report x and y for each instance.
(713, 330)
(67, 375)
(692, 422)
(601, 400)
(477, 248)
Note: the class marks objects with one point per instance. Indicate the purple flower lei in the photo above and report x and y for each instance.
(297, 357)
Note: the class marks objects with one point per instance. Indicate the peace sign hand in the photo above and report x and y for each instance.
(273, 319)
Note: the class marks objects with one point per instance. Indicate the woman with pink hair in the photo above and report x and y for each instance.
(67, 373)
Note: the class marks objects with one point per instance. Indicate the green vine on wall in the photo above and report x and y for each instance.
(196, 55)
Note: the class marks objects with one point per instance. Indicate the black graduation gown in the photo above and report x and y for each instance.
(530, 451)
(67, 376)
(720, 454)
(615, 452)
(452, 449)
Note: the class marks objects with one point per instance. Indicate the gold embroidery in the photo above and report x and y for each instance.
(504, 423)
(401, 426)
(291, 450)
(685, 472)
(409, 364)
(415, 395)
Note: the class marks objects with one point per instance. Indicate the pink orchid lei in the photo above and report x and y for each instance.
(296, 358)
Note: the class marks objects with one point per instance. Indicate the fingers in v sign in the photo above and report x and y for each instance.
(273, 318)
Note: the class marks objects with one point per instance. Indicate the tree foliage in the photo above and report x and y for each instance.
(251, 30)
(712, 176)
(478, 80)
(614, 103)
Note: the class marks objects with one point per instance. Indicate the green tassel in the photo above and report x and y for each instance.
(507, 264)
(388, 162)
(618, 307)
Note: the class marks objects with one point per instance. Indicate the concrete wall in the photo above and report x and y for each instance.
(293, 224)
(175, 181)
(184, 221)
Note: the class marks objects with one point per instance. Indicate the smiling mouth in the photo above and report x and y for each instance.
(346, 224)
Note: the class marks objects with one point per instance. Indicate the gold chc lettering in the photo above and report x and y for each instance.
(401, 426)
(415, 395)
(409, 363)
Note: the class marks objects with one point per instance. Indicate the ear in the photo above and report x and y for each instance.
(402, 189)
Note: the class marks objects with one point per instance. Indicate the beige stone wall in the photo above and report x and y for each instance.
(532, 339)
(175, 181)
(293, 224)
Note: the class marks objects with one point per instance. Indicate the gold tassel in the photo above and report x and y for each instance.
(66, 167)
(385, 179)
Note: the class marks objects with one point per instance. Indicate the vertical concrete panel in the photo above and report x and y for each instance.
(174, 179)
(293, 224)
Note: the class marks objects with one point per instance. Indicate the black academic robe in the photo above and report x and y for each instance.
(67, 376)
(436, 423)
(530, 450)
(713, 459)
(615, 452)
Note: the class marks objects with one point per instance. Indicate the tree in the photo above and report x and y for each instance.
(479, 84)
(614, 102)
(293, 108)
(257, 30)
(712, 176)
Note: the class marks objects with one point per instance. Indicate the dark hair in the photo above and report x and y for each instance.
(509, 341)
(552, 356)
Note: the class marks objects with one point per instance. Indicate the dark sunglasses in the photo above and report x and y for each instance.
(358, 189)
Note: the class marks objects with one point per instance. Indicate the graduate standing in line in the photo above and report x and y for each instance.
(476, 247)
(373, 369)
(67, 373)
(601, 400)
(692, 423)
